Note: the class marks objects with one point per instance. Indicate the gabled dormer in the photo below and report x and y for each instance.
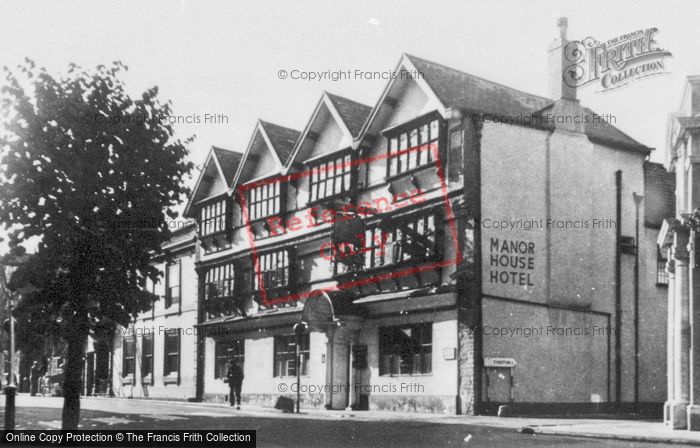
(260, 190)
(324, 159)
(400, 151)
(406, 97)
(267, 153)
(405, 134)
(210, 203)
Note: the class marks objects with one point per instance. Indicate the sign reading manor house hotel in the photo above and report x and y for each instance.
(511, 262)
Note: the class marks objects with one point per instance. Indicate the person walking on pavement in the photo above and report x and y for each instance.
(235, 383)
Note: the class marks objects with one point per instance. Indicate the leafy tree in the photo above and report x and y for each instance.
(91, 174)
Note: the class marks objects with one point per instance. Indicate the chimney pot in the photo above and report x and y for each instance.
(563, 24)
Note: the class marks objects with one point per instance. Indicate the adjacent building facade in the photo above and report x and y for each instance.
(155, 356)
(457, 246)
(679, 239)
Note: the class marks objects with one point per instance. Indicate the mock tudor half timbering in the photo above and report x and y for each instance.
(442, 259)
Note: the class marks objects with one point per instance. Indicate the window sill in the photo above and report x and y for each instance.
(273, 293)
(406, 375)
(410, 172)
(213, 234)
(128, 380)
(662, 285)
(215, 242)
(328, 199)
(168, 312)
(171, 379)
(263, 219)
(147, 380)
(267, 237)
(401, 265)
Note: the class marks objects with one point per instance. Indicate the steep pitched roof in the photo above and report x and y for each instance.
(182, 234)
(219, 162)
(352, 113)
(349, 115)
(455, 88)
(228, 160)
(282, 139)
(279, 140)
(659, 194)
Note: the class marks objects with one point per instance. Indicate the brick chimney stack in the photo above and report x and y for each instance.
(565, 106)
(558, 64)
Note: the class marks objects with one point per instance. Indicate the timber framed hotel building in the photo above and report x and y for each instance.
(417, 306)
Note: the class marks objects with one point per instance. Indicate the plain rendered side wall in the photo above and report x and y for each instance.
(583, 261)
(529, 175)
(653, 304)
(551, 365)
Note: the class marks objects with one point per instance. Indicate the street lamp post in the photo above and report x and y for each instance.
(299, 330)
(11, 388)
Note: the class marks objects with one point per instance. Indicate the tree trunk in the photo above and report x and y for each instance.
(73, 377)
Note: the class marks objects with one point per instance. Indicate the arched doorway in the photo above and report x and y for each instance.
(334, 314)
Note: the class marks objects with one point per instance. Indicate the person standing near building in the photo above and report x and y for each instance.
(34, 374)
(235, 383)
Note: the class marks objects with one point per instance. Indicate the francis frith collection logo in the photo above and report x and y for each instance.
(616, 62)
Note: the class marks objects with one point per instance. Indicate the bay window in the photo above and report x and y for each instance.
(264, 200)
(413, 146)
(272, 270)
(212, 218)
(410, 239)
(219, 281)
(229, 288)
(330, 177)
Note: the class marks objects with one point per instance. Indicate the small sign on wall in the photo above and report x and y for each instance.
(499, 362)
(449, 353)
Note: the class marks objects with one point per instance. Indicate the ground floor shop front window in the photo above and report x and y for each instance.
(406, 349)
(285, 355)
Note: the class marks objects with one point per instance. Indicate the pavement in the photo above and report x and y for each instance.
(614, 430)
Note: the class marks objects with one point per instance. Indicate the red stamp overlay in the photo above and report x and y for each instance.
(366, 244)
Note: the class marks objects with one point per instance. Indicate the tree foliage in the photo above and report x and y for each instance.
(91, 174)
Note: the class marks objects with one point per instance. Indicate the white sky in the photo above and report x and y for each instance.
(224, 56)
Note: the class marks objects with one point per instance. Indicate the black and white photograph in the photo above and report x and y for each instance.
(348, 223)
